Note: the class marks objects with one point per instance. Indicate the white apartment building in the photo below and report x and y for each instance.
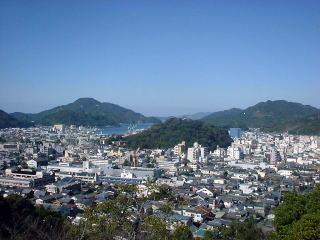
(233, 153)
(197, 153)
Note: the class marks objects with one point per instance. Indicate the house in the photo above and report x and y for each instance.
(205, 191)
(206, 213)
(173, 220)
(65, 183)
(218, 222)
(197, 216)
(35, 163)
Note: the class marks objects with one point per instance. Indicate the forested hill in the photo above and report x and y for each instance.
(86, 111)
(7, 121)
(174, 131)
(309, 125)
(219, 118)
(265, 115)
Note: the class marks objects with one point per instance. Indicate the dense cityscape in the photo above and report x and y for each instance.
(69, 169)
(159, 120)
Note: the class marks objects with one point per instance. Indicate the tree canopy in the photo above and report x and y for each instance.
(174, 131)
(246, 230)
(276, 116)
(19, 219)
(298, 216)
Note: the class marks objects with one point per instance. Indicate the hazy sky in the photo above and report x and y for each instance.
(159, 57)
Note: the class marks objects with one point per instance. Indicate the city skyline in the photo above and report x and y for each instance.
(162, 119)
(158, 58)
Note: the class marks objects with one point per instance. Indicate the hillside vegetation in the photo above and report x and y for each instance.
(309, 125)
(219, 118)
(7, 121)
(174, 131)
(271, 115)
(86, 111)
(298, 216)
(20, 219)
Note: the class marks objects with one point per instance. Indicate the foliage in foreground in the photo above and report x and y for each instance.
(19, 219)
(246, 230)
(298, 216)
(124, 217)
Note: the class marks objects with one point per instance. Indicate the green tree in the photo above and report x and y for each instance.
(174, 131)
(105, 221)
(292, 208)
(182, 232)
(127, 188)
(213, 235)
(246, 230)
(308, 227)
(298, 216)
(4, 166)
(153, 228)
(19, 219)
(161, 192)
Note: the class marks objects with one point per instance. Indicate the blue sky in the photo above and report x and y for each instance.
(159, 57)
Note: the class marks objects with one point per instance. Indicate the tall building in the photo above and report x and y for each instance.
(275, 157)
(219, 152)
(235, 132)
(179, 148)
(197, 153)
(234, 152)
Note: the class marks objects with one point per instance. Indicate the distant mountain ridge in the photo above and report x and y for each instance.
(275, 116)
(219, 118)
(269, 115)
(86, 111)
(194, 116)
(7, 121)
(309, 125)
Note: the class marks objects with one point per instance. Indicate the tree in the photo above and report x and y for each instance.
(182, 232)
(24, 165)
(292, 208)
(150, 165)
(4, 166)
(19, 219)
(115, 219)
(298, 216)
(105, 221)
(161, 192)
(174, 131)
(308, 227)
(152, 228)
(213, 235)
(127, 188)
(246, 230)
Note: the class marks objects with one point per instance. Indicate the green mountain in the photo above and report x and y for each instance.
(265, 115)
(174, 131)
(309, 125)
(219, 118)
(86, 111)
(194, 116)
(7, 121)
